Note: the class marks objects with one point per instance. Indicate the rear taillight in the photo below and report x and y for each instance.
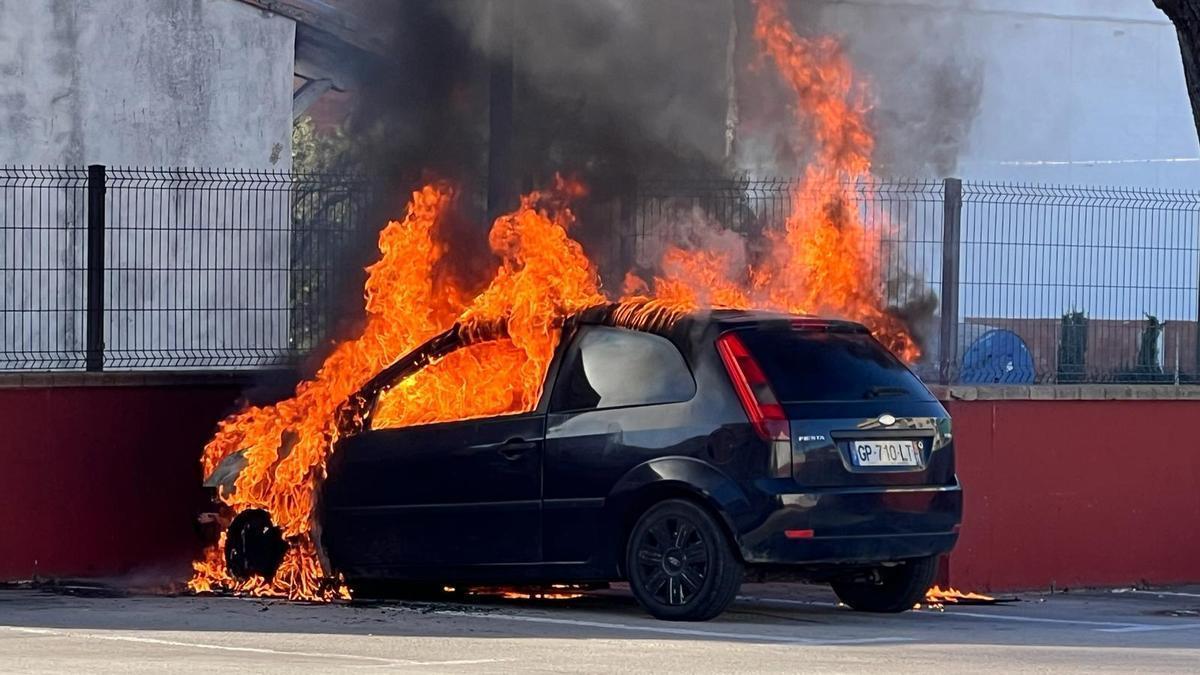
(755, 393)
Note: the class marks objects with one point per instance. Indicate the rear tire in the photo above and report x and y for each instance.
(680, 564)
(889, 589)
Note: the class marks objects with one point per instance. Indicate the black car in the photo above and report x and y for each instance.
(682, 459)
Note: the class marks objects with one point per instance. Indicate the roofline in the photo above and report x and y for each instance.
(344, 26)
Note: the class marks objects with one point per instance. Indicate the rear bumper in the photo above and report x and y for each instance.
(854, 525)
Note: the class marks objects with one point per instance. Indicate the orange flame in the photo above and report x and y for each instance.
(825, 259)
(286, 444)
(543, 276)
(936, 597)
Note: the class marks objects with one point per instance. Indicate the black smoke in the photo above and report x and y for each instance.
(614, 91)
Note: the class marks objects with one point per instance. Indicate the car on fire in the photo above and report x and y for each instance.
(681, 457)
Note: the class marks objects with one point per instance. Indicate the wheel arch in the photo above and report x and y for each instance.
(674, 478)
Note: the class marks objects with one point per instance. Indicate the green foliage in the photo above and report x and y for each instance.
(1072, 347)
(314, 152)
(324, 204)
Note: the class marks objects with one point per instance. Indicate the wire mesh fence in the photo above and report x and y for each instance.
(1099, 284)
(43, 254)
(1045, 284)
(199, 269)
(139, 269)
(904, 219)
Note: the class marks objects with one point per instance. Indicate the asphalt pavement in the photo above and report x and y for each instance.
(771, 628)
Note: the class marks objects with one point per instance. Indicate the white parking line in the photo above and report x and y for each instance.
(1148, 628)
(1177, 594)
(1098, 626)
(250, 650)
(670, 630)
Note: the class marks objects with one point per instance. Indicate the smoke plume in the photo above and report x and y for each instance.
(615, 91)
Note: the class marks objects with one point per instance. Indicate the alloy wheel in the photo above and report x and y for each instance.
(673, 558)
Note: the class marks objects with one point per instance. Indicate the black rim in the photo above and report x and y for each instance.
(253, 546)
(672, 560)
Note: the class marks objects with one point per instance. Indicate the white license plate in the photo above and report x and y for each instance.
(886, 453)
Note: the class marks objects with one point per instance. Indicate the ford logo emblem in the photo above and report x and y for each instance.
(887, 420)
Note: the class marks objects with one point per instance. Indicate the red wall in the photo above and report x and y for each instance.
(1077, 493)
(98, 481)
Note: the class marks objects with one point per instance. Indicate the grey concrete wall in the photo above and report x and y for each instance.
(144, 83)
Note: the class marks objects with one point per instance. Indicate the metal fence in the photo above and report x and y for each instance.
(132, 269)
(905, 218)
(1045, 284)
(1101, 285)
(43, 267)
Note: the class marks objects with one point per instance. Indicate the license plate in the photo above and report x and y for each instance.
(886, 453)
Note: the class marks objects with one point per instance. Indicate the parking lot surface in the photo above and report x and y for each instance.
(772, 628)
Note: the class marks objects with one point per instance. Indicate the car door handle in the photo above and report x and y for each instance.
(516, 447)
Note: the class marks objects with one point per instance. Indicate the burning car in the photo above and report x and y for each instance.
(677, 455)
(461, 428)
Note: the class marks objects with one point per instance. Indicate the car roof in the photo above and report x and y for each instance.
(645, 316)
(757, 316)
(725, 317)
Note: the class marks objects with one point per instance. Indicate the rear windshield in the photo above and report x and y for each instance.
(830, 366)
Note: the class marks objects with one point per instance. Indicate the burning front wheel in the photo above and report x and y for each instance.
(888, 589)
(680, 564)
(254, 546)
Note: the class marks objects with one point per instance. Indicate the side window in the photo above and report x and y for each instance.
(614, 367)
(486, 379)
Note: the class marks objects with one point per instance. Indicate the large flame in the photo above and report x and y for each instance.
(543, 276)
(286, 444)
(825, 260)
(822, 261)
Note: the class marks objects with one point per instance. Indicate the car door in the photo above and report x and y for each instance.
(618, 401)
(435, 496)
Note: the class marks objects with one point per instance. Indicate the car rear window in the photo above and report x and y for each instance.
(808, 365)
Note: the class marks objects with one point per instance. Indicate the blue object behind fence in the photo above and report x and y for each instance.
(997, 357)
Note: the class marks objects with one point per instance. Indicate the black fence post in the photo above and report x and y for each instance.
(95, 268)
(951, 240)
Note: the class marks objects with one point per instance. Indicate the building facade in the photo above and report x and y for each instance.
(1083, 92)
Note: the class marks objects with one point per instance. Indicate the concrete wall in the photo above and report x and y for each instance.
(204, 83)
(145, 83)
(1070, 91)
